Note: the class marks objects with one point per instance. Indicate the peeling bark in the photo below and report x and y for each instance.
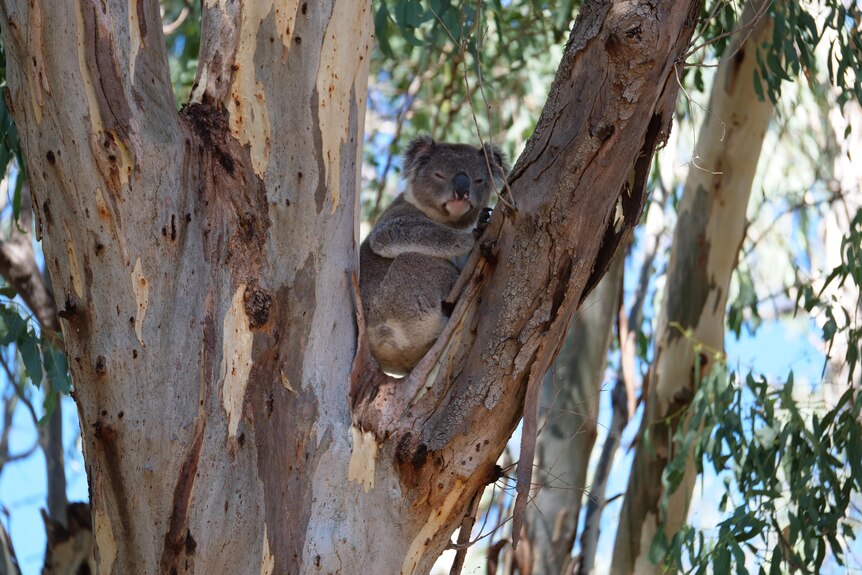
(709, 233)
(204, 261)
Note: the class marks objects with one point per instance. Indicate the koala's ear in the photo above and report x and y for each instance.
(496, 157)
(418, 150)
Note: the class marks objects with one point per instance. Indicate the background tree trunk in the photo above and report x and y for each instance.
(202, 261)
(19, 268)
(623, 395)
(708, 235)
(569, 419)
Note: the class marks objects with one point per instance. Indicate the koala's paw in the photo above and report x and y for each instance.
(484, 218)
(447, 307)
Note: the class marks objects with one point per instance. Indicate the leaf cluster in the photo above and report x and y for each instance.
(790, 471)
(43, 361)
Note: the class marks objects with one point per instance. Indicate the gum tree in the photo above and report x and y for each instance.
(203, 264)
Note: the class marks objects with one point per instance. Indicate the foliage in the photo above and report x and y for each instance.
(792, 472)
(43, 361)
(800, 29)
(182, 39)
(792, 465)
(796, 37)
(841, 321)
(459, 71)
(10, 145)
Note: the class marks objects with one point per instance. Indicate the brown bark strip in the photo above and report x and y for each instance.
(104, 68)
(115, 147)
(179, 543)
(38, 78)
(116, 495)
(235, 202)
(142, 19)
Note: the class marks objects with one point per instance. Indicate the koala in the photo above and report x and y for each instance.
(411, 259)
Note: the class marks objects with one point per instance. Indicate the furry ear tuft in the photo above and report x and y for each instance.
(417, 151)
(496, 158)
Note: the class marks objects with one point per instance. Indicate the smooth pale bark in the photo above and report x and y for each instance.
(203, 263)
(709, 232)
(569, 419)
(211, 385)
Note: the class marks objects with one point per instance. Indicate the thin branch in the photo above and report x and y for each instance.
(748, 28)
(24, 399)
(803, 204)
(171, 27)
(19, 268)
(464, 535)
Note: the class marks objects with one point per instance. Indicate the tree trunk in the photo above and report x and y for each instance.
(570, 411)
(708, 235)
(203, 262)
(623, 396)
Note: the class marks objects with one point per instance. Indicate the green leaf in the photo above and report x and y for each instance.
(758, 87)
(49, 405)
(57, 367)
(854, 455)
(12, 325)
(381, 29)
(28, 347)
(829, 329)
(739, 559)
(658, 548)
(408, 14)
(722, 561)
(775, 561)
(19, 184)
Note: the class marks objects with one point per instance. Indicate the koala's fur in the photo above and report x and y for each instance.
(411, 259)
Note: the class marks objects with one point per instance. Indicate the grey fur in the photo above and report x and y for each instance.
(411, 259)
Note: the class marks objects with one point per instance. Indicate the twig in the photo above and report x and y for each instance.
(464, 535)
(747, 27)
(171, 27)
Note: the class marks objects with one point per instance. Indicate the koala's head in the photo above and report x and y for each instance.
(451, 182)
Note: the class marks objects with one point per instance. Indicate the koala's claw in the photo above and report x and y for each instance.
(482, 223)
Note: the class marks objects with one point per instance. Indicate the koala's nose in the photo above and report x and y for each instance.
(461, 185)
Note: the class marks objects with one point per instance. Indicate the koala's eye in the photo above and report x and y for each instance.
(439, 176)
(479, 181)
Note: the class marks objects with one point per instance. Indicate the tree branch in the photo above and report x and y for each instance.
(543, 256)
(19, 268)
